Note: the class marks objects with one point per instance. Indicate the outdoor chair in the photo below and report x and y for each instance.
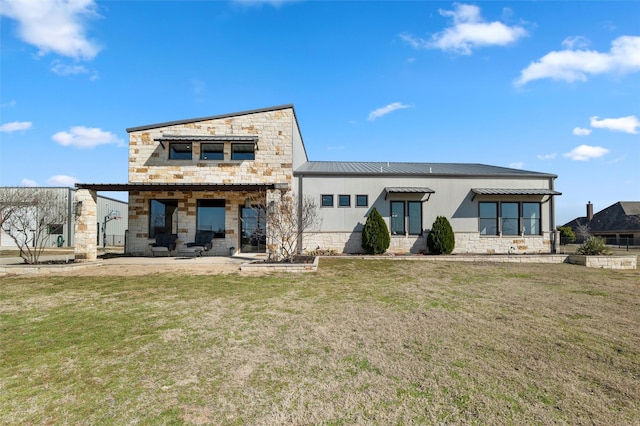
(165, 244)
(202, 242)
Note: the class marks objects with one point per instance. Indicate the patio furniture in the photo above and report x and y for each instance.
(165, 244)
(202, 242)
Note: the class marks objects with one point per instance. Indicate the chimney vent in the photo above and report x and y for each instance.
(589, 211)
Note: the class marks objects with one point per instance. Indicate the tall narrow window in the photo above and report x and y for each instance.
(212, 151)
(510, 218)
(163, 217)
(531, 218)
(243, 151)
(397, 218)
(211, 217)
(414, 209)
(180, 151)
(488, 218)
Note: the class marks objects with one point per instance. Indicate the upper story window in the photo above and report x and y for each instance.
(362, 200)
(243, 151)
(344, 200)
(212, 151)
(180, 151)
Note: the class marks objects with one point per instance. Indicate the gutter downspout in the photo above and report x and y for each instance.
(300, 198)
(70, 215)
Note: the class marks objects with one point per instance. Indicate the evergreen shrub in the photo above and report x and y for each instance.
(375, 234)
(441, 239)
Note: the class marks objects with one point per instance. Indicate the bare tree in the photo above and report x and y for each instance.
(29, 216)
(287, 218)
(583, 232)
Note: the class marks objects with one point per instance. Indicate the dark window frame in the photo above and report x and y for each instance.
(212, 155)
(366, 200)
(401, 219)
(322, 200)
(341, 197)
(500, 218)
(167, 222)
(177, 155)
(408, 213)
(243, 155)
(212, 204)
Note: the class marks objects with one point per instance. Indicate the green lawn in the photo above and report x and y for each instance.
(358, 342)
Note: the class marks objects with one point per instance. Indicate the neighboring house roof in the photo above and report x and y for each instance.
(623, 216)
(213, 117)
(414, 169)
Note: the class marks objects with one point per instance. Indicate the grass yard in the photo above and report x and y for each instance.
(359, 342)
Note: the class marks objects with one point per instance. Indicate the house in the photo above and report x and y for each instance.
(619, 223)
(205, 174)
(61, 233)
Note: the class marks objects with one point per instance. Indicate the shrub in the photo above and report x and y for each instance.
(441, 239)
(375, 234)
(593, 246)
(567, 236)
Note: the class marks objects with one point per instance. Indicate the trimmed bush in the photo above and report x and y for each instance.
(441, 239)
(567, 236)
(593, 246)
(375, 234)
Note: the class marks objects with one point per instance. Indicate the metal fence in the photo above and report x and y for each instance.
(112, 240)
(612, 240)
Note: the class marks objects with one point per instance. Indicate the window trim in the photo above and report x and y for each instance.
(341, 197)
(403, 221)
(499, 219)
(366, 200)
(165, 201)
(408, 215)
(235, 144)
(223, 205)
(322, 204)
(202, 145)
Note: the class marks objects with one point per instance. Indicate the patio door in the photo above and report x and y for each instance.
(253, 234)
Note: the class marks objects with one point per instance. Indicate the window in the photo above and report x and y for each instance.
(210, 216)
(163, 217)
(180, 151)
(397, 218)
(515, 218)
(510, 218)
(362, 200)
(488, 218)
(212, 151)
(55, 229)
(327, 200)
(243, 151)
(531, 218)
(344, 200)
(414, 209)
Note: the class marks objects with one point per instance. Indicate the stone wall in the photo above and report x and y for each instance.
(349, 242)
(149, 163)
(86, 233)
(606, 262)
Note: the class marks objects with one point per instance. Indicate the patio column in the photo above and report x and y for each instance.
(86, 230)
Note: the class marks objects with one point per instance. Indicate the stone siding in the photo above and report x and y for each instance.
(606, 262)
(86, 233)
(349, 242)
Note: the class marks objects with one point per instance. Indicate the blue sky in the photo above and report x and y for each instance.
(545, 86)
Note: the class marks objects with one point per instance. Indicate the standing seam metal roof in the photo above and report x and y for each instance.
(422, 169)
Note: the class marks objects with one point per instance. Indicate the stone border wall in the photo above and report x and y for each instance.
(606, 262)
(280, 267)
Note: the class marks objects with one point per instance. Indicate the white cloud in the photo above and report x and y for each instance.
(547, 156)
(11, 103)
(579, 131)
(60, 68)
(628, 124)
(62, 180)
(386, 110)
(15, 126)
(28, 182)
(85, 137)
(517, 165)
(274, 3)
(469, 31)
(54, 25)
(586, 152)
(575, 41)
(575, 65)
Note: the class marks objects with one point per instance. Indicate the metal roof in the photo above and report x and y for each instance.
(175, 186)
(415, 169)
(509, 191)
(213, 117)
(409, 189)
(178, 138)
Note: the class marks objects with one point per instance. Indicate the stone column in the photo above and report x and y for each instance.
(86, 231)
